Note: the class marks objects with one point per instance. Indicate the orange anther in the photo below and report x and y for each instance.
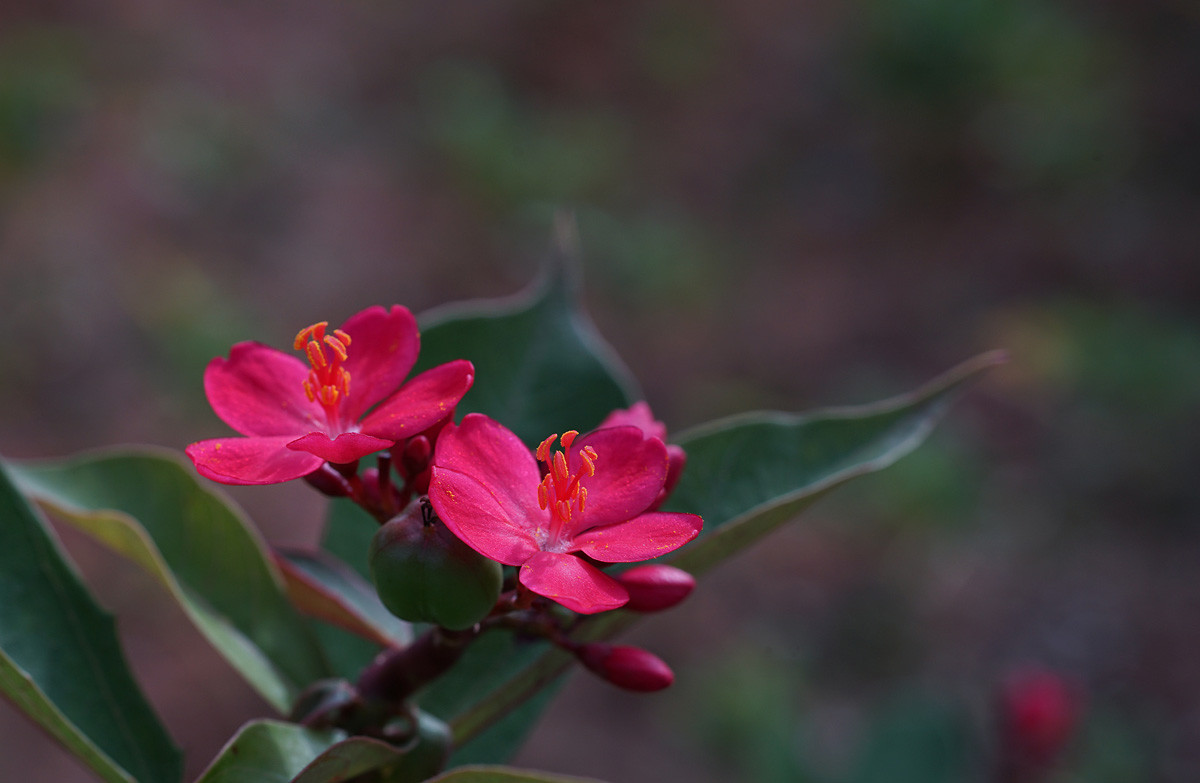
(564, 510)
(543, 497)
(543, 449)
(569, 437)
(315, 357)
(560, 466)
(345, 338)
(337, 345)
(582, 498)
(345, 380)
(308, 390)
(316, 332)
(328, 395)
(587, 461)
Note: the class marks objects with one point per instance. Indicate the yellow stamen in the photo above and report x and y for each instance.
(543, 450)
(337, 345)
(315, 357)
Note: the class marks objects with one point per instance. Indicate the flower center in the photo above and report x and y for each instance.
(560, 490)
(328, 381)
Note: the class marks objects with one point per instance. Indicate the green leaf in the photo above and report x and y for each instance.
(268, 751)
(746, 476)
(148, 507)
(490, 774)
(540, 365)
(348, 758)
(322, 586)
(348, 533)
(60, 660)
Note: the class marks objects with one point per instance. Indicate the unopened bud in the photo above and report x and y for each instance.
(631, 668)
(1039, 712)
(415, 456)
(329, 482)
(655, 587)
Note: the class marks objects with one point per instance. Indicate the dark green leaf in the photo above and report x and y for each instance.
(61, 662)
(268, 752)
(350, 757)
(540, 366)
(348, 533)
(748, 474)
(147, 506)
(322, 586)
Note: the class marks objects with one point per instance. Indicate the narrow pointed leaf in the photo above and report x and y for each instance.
(322, 586)
(745, 476)
(148, 507)
(60, 660)
(540, 365)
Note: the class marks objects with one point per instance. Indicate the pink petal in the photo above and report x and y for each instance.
(422, 402)
(641, 538)
(251, 460)
(346, 447)
(383, 349)
(260, 391)
(630, 471)
(484, 487)
(579, 586)
(638, 415)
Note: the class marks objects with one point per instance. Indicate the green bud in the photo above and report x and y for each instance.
(425, 574)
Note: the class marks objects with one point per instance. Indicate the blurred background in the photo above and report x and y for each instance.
(782, 205)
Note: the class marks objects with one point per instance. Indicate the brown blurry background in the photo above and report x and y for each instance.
(782, 205)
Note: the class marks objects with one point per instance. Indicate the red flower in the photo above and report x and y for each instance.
(297, 416)
(489, 490)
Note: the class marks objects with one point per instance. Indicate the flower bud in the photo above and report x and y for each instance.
(631, 668)
(329, 482)
(423, 573)
(655, 587)
(1039, 713)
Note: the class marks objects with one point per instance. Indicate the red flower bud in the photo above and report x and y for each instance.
(1039, 713)
(631, 668)
(414, 458)
(655, 587)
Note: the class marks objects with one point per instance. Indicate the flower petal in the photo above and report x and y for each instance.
(641, 538)
(638, 415)
(422, 402)
(346, 447)
(579, 586)
(259, 391)
(484, 487)
(383, 349)
(251, 460)
(630, 471)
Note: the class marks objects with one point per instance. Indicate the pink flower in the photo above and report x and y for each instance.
(593, 499)
(339, 406)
